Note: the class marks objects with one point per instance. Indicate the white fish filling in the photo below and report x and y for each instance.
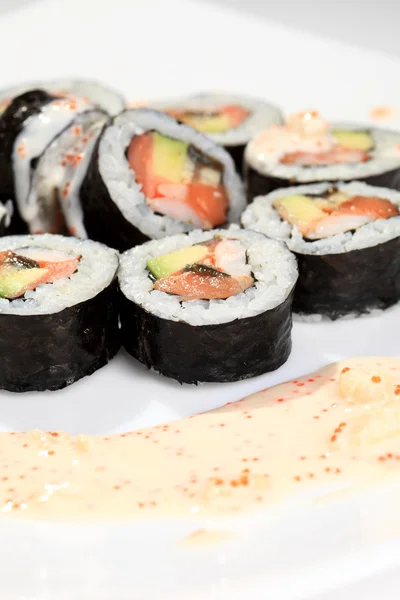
(96, 270)
(127, 194)
(261, 216)
(272, 265)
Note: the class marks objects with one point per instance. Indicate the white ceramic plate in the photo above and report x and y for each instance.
(148, 49)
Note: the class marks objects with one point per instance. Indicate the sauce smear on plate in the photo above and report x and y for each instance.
(340, 425)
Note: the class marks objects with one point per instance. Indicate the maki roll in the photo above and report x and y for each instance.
(308, 150)
(151, 176)
(96, 93)
(58, 316)
(231, 121)
(346, 238)
(208, 306)
(54, 198)
(27, 127)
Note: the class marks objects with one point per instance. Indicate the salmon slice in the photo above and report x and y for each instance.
(337, 155)
(370, 206)
(178, 180)
(200, 282)
(19, 273)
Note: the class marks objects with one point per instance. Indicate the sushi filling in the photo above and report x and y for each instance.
(179, 180)
(211, 270)
(219, 120)
(26, 268)
(308, 141)
(318, 217)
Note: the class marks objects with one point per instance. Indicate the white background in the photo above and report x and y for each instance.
(150, 48)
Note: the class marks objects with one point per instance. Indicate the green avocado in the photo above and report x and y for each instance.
(169, 157)
(298, 208)
(13, 284)
(165, 265)
(354, 140)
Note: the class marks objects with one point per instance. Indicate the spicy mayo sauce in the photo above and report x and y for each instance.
(338, 425)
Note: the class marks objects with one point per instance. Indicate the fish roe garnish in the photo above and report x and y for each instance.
(376, 379)
(345, 369)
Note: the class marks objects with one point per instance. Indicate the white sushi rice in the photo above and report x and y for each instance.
(273, 266)
(99, 94)
(53, 173)
(384, 157)
(96, 270)
(120, 178)
(6, 212)
(261, 216)
(262, 114)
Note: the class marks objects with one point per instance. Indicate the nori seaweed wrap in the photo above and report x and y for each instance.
(58, 311)
(217, 340)
(348, 254)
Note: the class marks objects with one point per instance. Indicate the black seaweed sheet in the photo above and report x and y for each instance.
(49, 352)
(237, 153)
(226, 352)
(11, 124)
(103, 220)
(352, 282)
(259, 185)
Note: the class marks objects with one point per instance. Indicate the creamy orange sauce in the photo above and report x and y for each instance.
(382, 113)
(305, 131)
(340, 425)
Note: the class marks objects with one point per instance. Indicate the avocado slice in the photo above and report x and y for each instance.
(209, 123)
(298, 209)
(165, 265)
(13, 284)
(354, 140)
(169, 157)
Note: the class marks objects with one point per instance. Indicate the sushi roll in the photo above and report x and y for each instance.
(151, 176)
(308, 150)
(54, 197)
(58, 315)
(29, 124)
(96, 93)
(346, 238)
(230, 120)
(208, 305)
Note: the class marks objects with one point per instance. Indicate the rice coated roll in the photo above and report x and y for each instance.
(151, 176)
(28, 125)
(54, 198)
(309, 150)
(346, 238)
(58, 314)
(96, 93)
(230, 120)
(208, 306)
